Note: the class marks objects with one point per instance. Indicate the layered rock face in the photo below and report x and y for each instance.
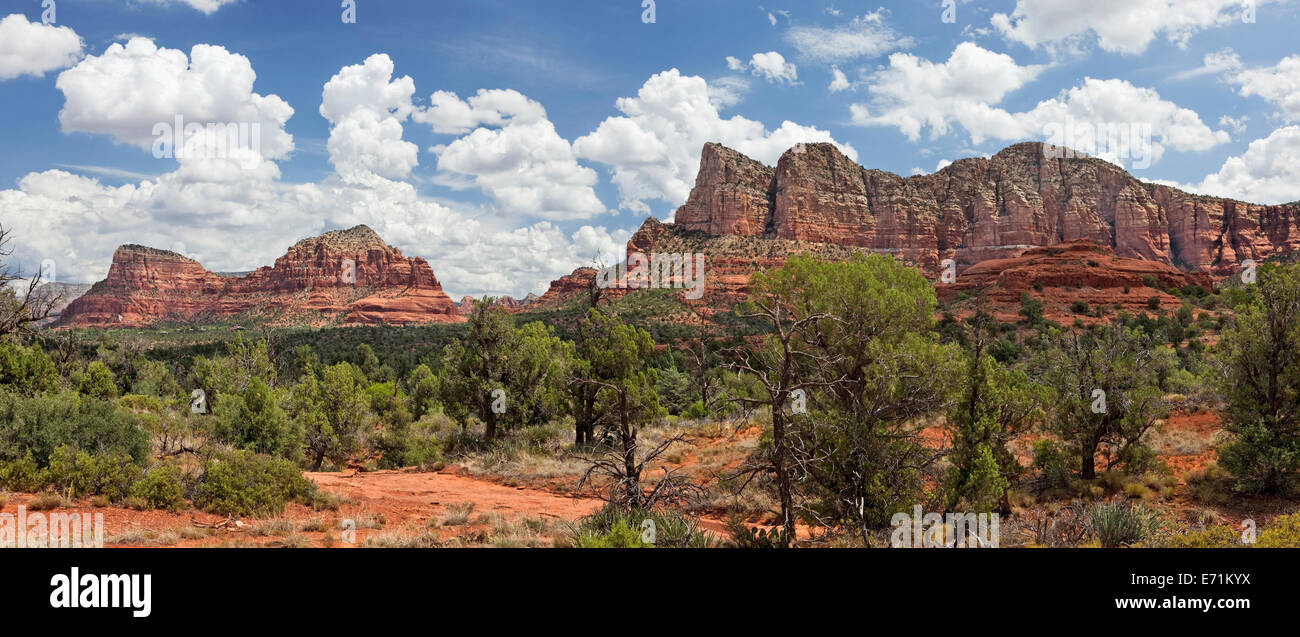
(732, 194)
(979, 209)
(1069, 272)
(567, 287)
(348, 276)
(466, 305)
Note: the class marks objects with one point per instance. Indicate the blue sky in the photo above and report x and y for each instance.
(593, 119)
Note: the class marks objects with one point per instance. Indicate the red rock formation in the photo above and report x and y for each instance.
(567, 287)
(466, 305)
(732, 194)
(145, 285)
(1080, 270)
(980, 209)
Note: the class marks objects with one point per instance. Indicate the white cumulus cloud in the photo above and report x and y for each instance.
(366, 108)
(913, 94)
(839, 81)
(1120, 26)
(772, 67)
(653, 148)
(230, 217)
(208, 7)
(514, 155)
(32, 48)
(130, 90)
(1268, 172)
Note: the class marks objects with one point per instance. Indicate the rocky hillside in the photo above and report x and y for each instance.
(978, 212)
(312, 283)
(979, 209)
(1078, 274)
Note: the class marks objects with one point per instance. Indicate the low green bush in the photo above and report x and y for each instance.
(246, 483)
(40, 424)
(1283, 533)
(1050, 460)
(80, 473)
(744, 537)
(1212, 538)
(1211, 485)
(620, 536)
(160, 488)
(612, 527)
(22, 474)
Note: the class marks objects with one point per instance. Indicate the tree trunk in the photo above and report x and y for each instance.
(1089, 469)
(634, 494)
(491, 433)
(782, 473)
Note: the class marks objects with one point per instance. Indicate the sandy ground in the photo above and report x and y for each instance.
(407, 496)
(384, 502)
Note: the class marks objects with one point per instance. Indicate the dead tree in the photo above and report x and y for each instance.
(21, 304)
(777, 368)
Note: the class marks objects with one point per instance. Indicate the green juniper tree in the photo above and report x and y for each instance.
(503, 375)
(1260, 362)
(996, 404)
(616, 356)
(1106, 392)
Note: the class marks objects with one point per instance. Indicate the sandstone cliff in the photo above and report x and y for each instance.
(346, 276)
(980, 209)
(1068, 273)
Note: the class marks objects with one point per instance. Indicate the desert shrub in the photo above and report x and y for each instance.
(1119, 524)
(98, 382)
(412, 445)
(696, 411)
(1114, 481)
(160, 488)
(253, 420)
(26, 369)
(321, 500)
(612, 527)
(1050, 462)
(1283, 533)
(141, 403)
(46, 501)
(22, 474)
(1006, 351)
(245, 483)
(741, 535)
(1211, 538)
(38, 425)
(81, 473)
(1079, 307)
(1211, 485)
(620, 536)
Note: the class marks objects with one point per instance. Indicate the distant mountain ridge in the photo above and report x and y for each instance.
(1026, 196)
(344, 276)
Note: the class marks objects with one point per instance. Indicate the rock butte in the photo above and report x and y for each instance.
(979, 209)
(752, 217)
(974, 210)
(1069, 272)
(145, 285)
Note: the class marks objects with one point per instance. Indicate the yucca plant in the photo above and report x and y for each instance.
(1119, 524)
